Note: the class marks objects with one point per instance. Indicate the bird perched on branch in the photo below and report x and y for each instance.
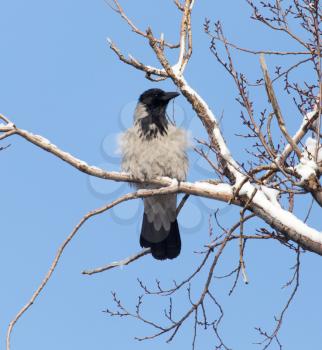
(153, 147)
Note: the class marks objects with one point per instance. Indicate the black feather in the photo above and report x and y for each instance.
(168, 248)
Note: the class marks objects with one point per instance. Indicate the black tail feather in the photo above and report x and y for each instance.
(168, 248)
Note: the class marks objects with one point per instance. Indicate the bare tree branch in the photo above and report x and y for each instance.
(138, 194)
(276, 107)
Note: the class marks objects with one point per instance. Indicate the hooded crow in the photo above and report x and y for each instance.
(153, 147)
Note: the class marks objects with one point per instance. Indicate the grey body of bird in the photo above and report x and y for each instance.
(154, 147)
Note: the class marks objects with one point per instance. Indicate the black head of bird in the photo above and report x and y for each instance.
(152, 112)
(157, 97)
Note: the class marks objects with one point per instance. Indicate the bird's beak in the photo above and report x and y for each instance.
(169, 95)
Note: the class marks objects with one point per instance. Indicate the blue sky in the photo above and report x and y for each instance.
(60, 80)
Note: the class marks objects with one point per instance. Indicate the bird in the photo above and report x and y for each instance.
(154, 146)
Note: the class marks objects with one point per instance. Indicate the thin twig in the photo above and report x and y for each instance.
(129, 196)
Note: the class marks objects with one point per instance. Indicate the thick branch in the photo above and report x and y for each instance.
(203, 111)
(285, 222)
(216, 191)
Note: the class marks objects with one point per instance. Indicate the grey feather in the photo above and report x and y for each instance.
(164, 155)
